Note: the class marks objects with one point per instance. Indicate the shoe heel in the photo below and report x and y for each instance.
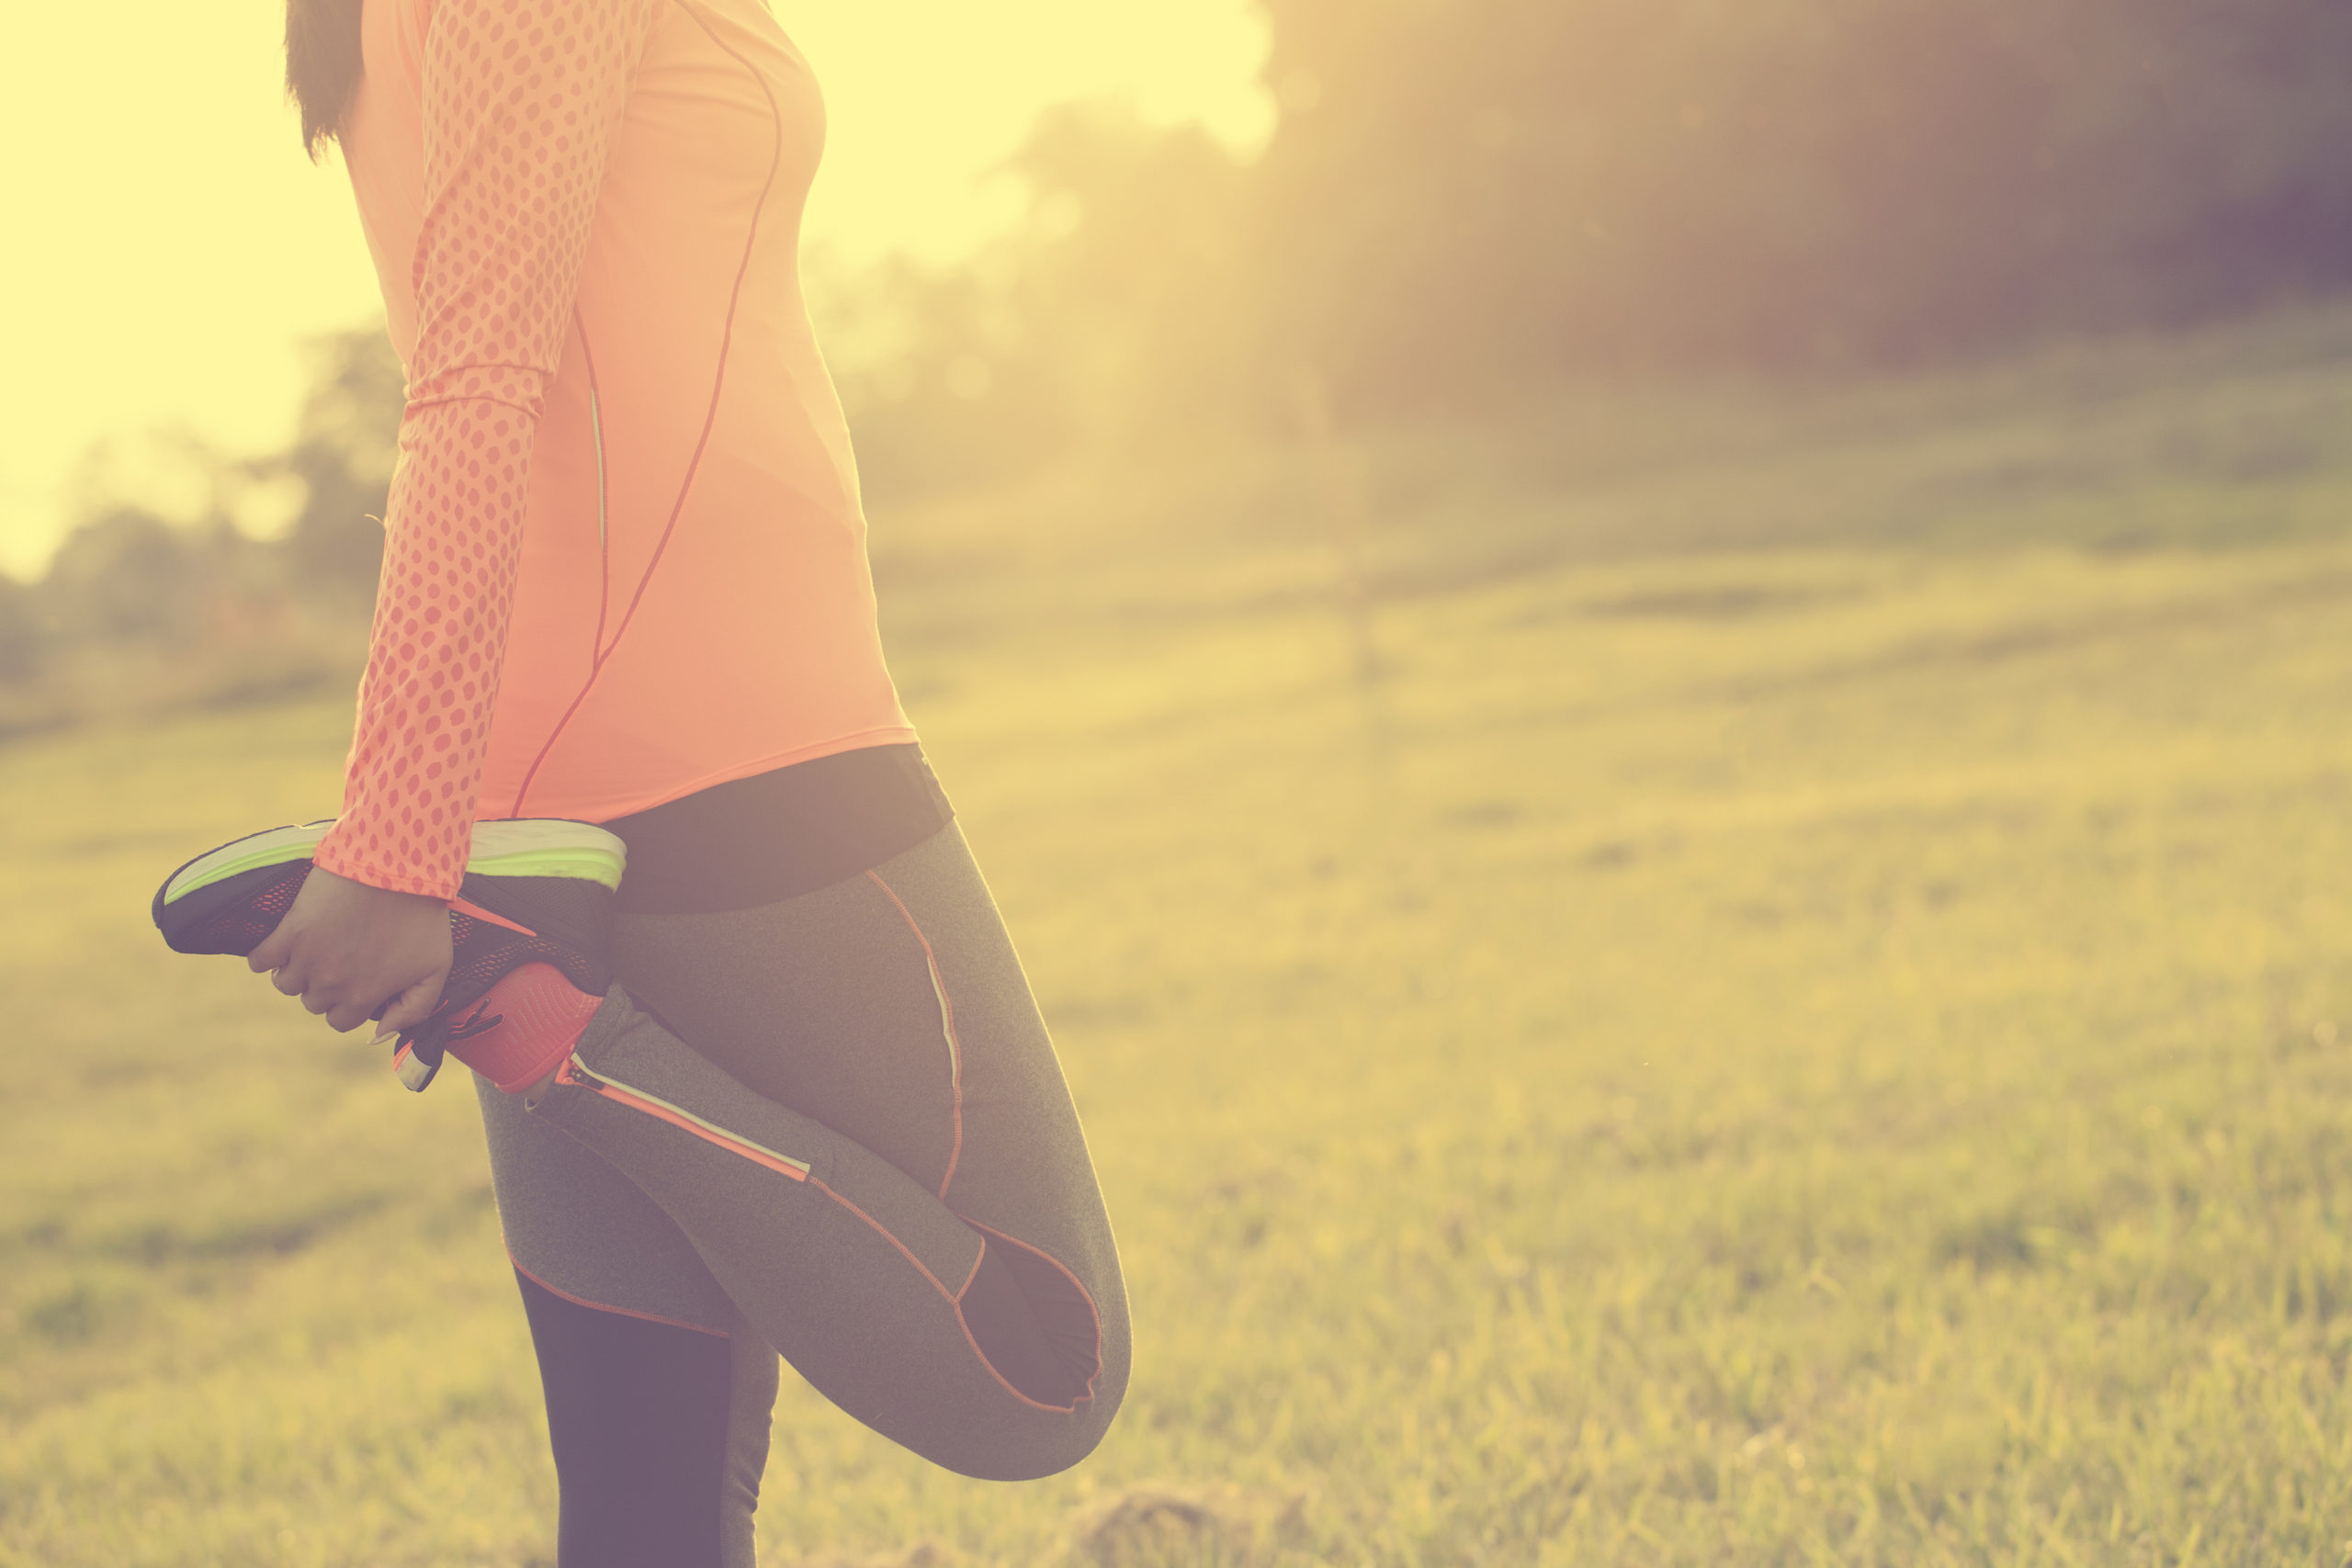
(410, 1066)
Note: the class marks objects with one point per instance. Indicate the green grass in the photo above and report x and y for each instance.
(1752, 1042)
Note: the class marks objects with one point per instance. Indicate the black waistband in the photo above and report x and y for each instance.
(778, 834)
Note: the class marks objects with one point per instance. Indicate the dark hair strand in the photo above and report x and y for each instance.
(322, 66)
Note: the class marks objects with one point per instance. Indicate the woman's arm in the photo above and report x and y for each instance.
(521, 101)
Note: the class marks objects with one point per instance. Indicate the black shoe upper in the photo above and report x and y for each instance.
(570, 922)
(231, 917)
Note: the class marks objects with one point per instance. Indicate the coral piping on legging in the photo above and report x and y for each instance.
(616, 1311)
(946, 1029)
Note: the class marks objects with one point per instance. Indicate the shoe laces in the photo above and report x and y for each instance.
(472, 1026)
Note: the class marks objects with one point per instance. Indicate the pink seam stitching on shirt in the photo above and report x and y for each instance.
(710, 419)
(603, 533)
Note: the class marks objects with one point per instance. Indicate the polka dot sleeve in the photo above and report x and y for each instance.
(522, 98)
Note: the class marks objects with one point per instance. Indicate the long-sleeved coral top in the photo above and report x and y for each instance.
(625, 556)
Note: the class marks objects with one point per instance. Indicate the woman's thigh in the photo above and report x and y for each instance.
(892, 1008)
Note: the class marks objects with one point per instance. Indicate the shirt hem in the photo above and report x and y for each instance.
(606, 810)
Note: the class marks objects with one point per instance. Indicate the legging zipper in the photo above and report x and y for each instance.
(579, 1073)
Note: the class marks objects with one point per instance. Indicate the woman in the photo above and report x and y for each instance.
(625, 583)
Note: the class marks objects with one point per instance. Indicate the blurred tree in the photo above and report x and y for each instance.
(936, 378)
(344, 444)
(1468, 191)
(1130, 273)
(1112, 315)
(23, 642)
(126, 576)
(156, 558)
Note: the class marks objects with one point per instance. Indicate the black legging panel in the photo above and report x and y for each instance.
(655, 1430)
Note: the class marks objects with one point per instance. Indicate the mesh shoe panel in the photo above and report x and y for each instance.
(231, 917)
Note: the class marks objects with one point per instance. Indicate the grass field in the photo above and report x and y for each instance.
(1805, 1017)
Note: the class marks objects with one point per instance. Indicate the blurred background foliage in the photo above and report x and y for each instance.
(1467, 205)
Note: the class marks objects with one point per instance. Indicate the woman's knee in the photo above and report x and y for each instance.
(1023, 1444)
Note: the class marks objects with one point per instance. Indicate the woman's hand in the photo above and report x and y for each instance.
(352, 951)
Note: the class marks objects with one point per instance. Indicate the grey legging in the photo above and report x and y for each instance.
(869, 1103)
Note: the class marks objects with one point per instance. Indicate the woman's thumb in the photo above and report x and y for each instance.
(273, 950)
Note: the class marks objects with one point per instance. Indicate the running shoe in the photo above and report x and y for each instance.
(530, 929)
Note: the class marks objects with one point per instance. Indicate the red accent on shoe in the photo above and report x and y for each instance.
(522, 1027)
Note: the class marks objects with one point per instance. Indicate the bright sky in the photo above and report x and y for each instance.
(169, 246)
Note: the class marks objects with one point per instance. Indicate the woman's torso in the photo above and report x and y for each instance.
(694, 604)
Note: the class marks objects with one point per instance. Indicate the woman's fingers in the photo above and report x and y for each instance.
(347, 1002)
(414, 1004)
(352, 951)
